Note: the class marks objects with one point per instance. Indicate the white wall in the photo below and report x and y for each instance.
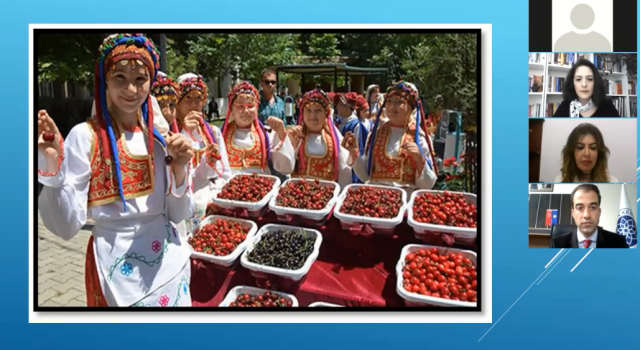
(619, 136)
(610, 205)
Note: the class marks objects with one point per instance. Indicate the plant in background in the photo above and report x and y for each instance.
(452, 175)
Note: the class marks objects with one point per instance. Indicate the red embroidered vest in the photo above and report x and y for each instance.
(244, 158)
(199, 153)
(317, 167)
(388, 168)
(137, 171)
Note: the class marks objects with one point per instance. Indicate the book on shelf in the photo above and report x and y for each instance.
(552, 108)
(632, 88)
(567, 58)
(535, 110)
(618, 102)
(603, 65)
(634, 109)
(535, 83)
(535, 57)
(555, 84)
(613, 87)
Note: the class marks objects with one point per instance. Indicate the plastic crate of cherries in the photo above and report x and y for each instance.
(368, 209)
(247, 194)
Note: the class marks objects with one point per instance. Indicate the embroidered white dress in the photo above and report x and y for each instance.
(282, 157)
(425, 180)
(140, 258)
(316, 146)
(203, 174)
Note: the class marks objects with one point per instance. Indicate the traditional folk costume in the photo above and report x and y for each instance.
(166, 89)
(119, 178)
(320, 156)
(384, 162)
(252, 150)
(352, 123)
(203, 136)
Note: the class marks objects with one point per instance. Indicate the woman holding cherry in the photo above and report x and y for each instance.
(210, 162)
(117, 169)
(250, 147)
(319, 147)
(398, 152)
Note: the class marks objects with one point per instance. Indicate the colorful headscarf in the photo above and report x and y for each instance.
(166, 89)
(320, 97)
(194, 82)
(361, 104)
(132, 49)
(246, 88)
(410, 92)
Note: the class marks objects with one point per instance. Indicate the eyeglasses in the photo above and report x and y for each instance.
(269, 82)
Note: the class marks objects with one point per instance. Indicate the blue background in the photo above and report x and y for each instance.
(596, 306)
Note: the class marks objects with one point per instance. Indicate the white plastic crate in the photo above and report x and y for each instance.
(415, 299)
(254, 209)
(240, 290)
(313, 216)
(463, 236)
(261, 271)
(228, 260)
(323, 304)
(379, 225)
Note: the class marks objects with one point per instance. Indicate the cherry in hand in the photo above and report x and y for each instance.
(48, 136)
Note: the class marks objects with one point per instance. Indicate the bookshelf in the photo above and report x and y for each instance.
(553, 69)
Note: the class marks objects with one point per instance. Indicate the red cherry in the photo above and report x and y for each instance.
(48, 137)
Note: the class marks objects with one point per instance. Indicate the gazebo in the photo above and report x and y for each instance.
(335, 69)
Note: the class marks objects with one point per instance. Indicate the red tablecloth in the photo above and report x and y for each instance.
(350, 271)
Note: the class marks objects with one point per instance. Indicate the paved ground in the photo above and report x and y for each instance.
(61, 268)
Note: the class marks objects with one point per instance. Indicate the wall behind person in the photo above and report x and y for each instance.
(610, 201)
(619, 136)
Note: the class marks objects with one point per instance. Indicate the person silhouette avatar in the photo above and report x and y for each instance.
(582, 17)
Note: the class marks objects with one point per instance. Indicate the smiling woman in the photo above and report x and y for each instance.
(584, 95)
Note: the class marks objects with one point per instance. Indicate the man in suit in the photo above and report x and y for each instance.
(585, 210)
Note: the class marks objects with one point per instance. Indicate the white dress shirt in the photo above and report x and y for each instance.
(593, 238)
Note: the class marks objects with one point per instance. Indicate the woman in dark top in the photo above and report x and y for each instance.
(584, 94)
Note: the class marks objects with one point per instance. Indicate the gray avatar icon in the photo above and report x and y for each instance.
(582, 17)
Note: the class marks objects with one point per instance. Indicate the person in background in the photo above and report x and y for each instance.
(584, 93)
(271, 105)
(113, 168)
(399, 152)
(211, 162)
(374, 100)
(348, 122)
(165, 90)
(362, 111)
(585, 157)
(213, 110)
(586, 211)
(283, 92)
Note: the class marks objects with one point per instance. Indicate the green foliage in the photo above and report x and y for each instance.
(324, 46)
(446, 65)
(63, 57)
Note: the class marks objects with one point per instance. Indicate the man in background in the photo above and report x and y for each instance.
(271, 105)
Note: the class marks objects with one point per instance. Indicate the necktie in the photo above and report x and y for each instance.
(587, 243)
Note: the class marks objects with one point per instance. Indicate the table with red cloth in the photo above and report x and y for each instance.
(350, 270)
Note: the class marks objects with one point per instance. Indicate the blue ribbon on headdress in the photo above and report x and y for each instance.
(132, 40)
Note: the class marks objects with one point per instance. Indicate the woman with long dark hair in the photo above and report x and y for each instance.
(584, 94)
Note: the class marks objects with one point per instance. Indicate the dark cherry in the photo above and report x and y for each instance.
(48, 137)
(168, 160)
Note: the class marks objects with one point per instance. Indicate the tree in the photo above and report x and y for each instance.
(446, 65)
(324, 46)
(67, 57)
